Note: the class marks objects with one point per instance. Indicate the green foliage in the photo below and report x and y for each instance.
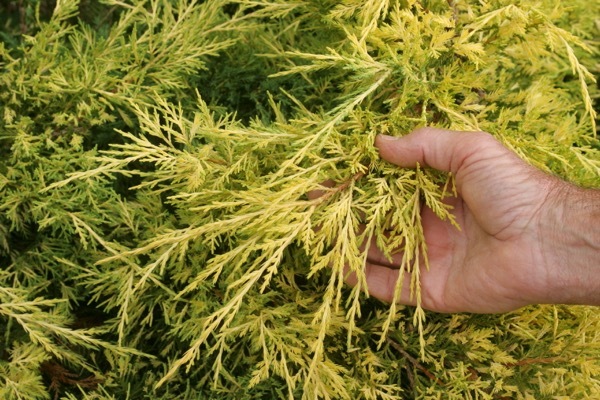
(156, 240)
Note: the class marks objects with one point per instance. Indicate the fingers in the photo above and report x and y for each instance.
(381, 272)
(438, 148)
(376, 256)
(381, 283)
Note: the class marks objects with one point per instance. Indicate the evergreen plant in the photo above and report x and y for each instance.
(156, 238)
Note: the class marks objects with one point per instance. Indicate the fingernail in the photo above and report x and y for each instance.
(381, 138)
(386, 137)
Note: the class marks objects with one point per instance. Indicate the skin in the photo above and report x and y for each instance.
(526, 237)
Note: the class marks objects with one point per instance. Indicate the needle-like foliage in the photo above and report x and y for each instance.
(157, 239)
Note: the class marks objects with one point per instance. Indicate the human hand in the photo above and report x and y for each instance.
(509, 252)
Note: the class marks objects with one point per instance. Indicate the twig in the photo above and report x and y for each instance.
(411, 378)
(452, 4)
(59, 376)
(415, 363)
(341, 187)
(22, 18)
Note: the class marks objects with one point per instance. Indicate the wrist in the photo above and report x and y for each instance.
(570, 237)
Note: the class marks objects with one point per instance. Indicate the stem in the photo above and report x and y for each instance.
(415, 363)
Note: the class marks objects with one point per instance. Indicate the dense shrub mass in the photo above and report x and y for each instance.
(156, 240)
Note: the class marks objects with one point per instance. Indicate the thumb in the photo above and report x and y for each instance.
(491, 179)
(441, 149)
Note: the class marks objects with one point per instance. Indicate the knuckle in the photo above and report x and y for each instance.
(485, 136)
